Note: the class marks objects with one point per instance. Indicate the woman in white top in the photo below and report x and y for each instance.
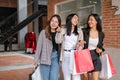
(68, 37)
(94, 36)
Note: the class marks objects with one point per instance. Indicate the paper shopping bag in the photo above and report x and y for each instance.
(111, 65)
(72, 65)
(106, 71)
(83, 61)
(36, 75)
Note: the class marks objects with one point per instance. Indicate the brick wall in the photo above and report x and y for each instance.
(111, 25)
(51, 7)
(8, 3)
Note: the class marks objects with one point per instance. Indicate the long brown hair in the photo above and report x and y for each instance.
(48, 28)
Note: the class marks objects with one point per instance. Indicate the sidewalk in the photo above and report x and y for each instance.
(15, 65)
(18, 65)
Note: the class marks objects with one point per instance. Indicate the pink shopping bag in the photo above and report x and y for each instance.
(83, 61)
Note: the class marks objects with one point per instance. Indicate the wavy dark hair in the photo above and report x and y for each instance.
(97, 18)
(48, 28)
(68, 25)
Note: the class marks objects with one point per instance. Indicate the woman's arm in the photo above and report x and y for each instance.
(59, 36)
(39, 47)
(80, 36)
(100, 48)
(81, 42)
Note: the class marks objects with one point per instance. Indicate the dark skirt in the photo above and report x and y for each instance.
(96, 61)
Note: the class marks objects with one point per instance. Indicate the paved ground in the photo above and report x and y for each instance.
(15, 66)
(18, 65)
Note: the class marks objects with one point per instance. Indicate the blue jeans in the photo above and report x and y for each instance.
(50, 72)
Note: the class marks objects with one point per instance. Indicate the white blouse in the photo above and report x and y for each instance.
(92, 43)
(70, 41)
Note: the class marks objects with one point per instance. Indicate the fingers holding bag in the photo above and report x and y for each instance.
(36, 74)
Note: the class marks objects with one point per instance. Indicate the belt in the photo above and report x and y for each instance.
(68, 50)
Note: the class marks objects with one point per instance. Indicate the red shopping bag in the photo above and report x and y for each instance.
(111, 65)
(83, 61)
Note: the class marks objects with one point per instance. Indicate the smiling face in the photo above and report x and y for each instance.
(54, 23)
(74, 20)
(92, 22)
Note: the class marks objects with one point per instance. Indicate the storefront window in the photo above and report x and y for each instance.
(82, 7)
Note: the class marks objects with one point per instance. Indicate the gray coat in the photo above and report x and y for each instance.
(43, 49)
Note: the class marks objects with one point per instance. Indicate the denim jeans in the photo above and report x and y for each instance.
(50, 72)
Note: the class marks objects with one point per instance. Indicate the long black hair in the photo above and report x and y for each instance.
(97, 18)
(69, 24)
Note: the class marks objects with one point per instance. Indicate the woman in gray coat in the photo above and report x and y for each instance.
(47, 50)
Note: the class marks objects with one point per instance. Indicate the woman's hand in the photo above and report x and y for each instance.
(35, 64)
(58, 29)
(80, 44)
(99, 51)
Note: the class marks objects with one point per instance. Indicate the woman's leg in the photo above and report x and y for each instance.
(54, 71)
(85, 76)
(76, 77)
(65, 67)
(45, 71)
(95, 75)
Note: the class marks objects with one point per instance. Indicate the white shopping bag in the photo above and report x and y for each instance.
(36, 75)
(72, 66)
(106, 69)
